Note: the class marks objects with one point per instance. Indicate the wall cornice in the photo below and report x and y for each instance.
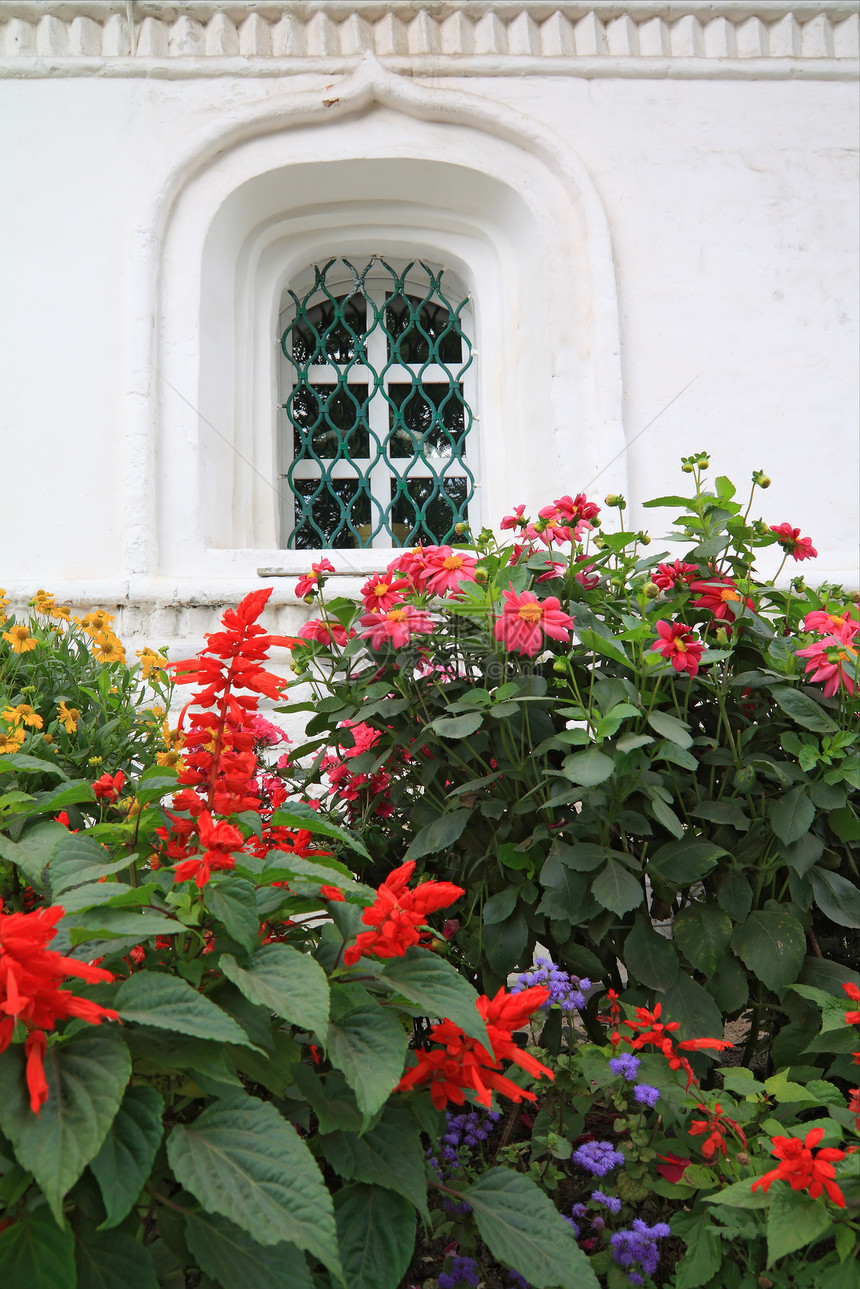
(730, 39)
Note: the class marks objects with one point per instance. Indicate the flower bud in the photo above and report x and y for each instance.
(615, 499)
(644, 539)
(722, 637)
(540, 525)
(560, 666)
(651, 590)
(686, 468)
(760, 479)
(743, 1158)
(308, 599)
(480, 574)
(461, 528)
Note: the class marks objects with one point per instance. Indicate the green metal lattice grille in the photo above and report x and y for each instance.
(374, 445)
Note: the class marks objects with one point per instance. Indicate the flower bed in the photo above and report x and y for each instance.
(440, 998)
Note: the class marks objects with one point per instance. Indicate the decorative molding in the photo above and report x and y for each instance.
(818, 39)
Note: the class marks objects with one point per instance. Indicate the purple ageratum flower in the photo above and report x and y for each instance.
(612, 1202)
(463, 1275)
(646, 1095)
(626, 1065)
(565, 990)
(518, 1281)
(597, 1157)
(638, 1246)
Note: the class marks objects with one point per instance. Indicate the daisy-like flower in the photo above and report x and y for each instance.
(107, 648)
(803, 1167)
(68, 717)
(574, 510)
(833, 662)
(23, 714)
(839, 624)
(325, 631)
(677, 643)
(792, 543)
(20, 639)
(446, 568)
(551, 527)
(666, 575)
(411, 565)
(525, 620)
(721, 596)
(381, 592)
(516, 520)
(396, 627)
(310, 582)
(150, 662)
(93, 623)
(11, 740)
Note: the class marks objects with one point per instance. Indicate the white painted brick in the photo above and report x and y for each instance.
(457, 35)
(719, 39)
(686, 38)
(846, 37)
(622, 36)
(389, 35)
(186, 39)
(783, 38)
(750, 39)
(490, 35)
(557, 36)
(20, 38)
(321, 36)
(817, 37)
(590, 36)
(288, 37)
(52, 36)
(523, 35)
(356, 35)
(653, 38)
(116, 42)
(423, 34)
(85, 37)
(255, 37)
(221, 36)
(152, 39)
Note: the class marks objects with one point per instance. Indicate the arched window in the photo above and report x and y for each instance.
(377, 381)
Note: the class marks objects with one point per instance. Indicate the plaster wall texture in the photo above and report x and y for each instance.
(729, 208)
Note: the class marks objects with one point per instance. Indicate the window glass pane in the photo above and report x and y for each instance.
(332, 331)
(329, 421)
(330, 514)
(427, 419)
(420, 331)
(428, 513)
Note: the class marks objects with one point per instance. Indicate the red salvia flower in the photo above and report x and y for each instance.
(715, 1124)
(332, 893)
(30, 978)
(852, 1018)
(397, 913)
(804, 1168)
(108, 787)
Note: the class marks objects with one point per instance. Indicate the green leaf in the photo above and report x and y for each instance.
(803, 709)
(567, 894)
(35, 849)
(438, 835)
(36, 1254)
(229, 1255)
(390, 1155)
(368, 1045)
(648, 956)
(671, 728)
(298, 814)
(703, 934)
(617, 889)
(607, 648)
(724, 812)
(521, 1227)
(127, 1153)
(741, 1195)
(20, 761)
(791, 816)
(376, 1231)
(683, 862)
(233, 902)
(837, 898)
(166, 1002)
(457, 726)
(771, 943)
(704, 1249)
(291, 984)
(71, 793)
(505, 941)
(689, 1003)
(588, 768)
(735, 895)
(430, 982)
(686, 502)
(77, 860)
(501, 905)
(583, 857)
(794, 1221)
(118, 924)
(113, 1260)
(242, 1159)
(87, 1076)
(729, 985)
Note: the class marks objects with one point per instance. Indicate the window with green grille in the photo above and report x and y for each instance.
(376, 417)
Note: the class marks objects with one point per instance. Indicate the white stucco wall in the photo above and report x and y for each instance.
(725, 192)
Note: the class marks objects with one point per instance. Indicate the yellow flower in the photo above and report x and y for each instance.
(97, 621)
(150, 661)
(43, 601)
(171, 738)
(23, 713)
(108, 648)
(20, 639)
(170, 757)
(157, 713)
(61, 612)
(10, 716)
(95, 760)
(11, 740)
(68, 717)
(3, 603)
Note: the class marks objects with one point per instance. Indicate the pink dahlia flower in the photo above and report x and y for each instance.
(445, 569)
(666, 575)
(833, 661)
(677, 643)
(309, 581)
(792, 543)
(525, 620)
(839, 624)
(397, 626)
(325, 631)
(381, 592)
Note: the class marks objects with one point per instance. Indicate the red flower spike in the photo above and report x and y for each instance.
(397, 914)
(803, 1169)
(108, 787)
